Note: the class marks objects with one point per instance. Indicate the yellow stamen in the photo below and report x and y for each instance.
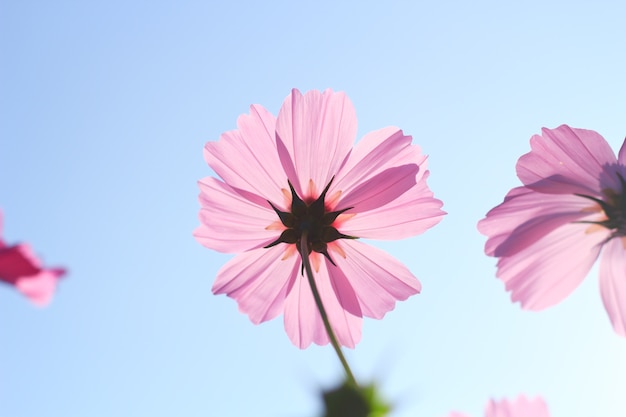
(337, 249)
(275, 225)
(594, 228)
(289, 252)
(287, 196)
(342, 218)
(332, 201)
(312, 190)
(316, 260)
(592, 209)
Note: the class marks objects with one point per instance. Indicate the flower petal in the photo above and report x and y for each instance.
(375, 152)
(613, 283)
(246, 158)
(565, 161)
(17, 261)
(232, 221)
(521, 407)
(39, 288)
(621, 156)
(259, 280)
(525, 216)
(20, 267)
(380, 190)
(303, 322)
(344, 291)
(315, 134)
(544, 273)
(378, 279)
(412, 213)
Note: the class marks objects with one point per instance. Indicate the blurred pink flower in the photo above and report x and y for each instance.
(549, 232)
(522, 407)
(299, 170)
(20, 267)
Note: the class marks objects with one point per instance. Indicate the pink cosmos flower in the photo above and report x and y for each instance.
(282, 175)
(549, 232)
(522, 407)
(20, 267)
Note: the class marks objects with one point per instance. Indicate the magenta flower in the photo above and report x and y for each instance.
(299, 172)
(522, 407)
(549, 232)
(20, 267)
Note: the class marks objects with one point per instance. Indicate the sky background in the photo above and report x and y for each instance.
(105, 108)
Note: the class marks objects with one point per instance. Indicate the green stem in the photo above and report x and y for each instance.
(318, 301)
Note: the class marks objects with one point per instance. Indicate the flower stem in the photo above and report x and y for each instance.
(318, 301)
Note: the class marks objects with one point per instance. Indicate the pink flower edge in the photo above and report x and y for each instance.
(520, 407)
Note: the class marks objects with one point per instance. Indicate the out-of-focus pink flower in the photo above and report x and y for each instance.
(20, 267)
(300, 171)
(549, 232)
(521, 407)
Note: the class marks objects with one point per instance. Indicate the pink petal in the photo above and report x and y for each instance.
(412, 213)
(565, 161)
(526, 216)
(303, 322)
(621, 157)
(455, 414)
(534, 229)
(17, 261)
(544, 273)
(20, 267)
(39, 288)
(344, 291)
(232, 222)
(315, 134)
(380, 190)
(378, 279)
(259, 280)
(376, 152)
(247, 159)
(521, 407)
(613, 283)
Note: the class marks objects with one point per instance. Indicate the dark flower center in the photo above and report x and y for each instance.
(310, 218)
(614, 207)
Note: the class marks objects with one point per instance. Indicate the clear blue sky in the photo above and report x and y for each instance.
(104, 111)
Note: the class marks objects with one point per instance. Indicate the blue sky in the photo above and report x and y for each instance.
(105, 108)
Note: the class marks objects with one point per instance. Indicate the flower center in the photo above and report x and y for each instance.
(310, 218)
(614, 208)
